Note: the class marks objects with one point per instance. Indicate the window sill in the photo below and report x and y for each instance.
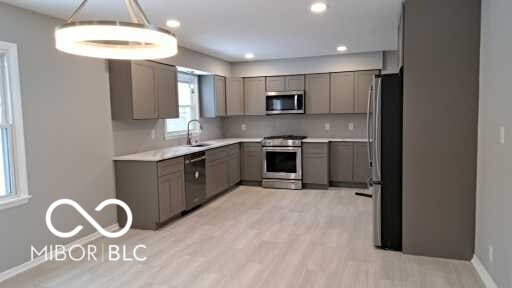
(14, 201)
(181, 135)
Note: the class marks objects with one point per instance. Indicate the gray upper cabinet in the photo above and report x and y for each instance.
(363, 81)
(316, 163)
(167, 90)
(318, 93)
(285, 83)
(342, 92)
(143, 90)
(361, 165)
(276, 84)
(212, 90)
(251, 161)
(294, 83)
(234, 96)
(254, 96)
(342, 162)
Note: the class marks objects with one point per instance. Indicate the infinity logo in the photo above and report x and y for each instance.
(88, 217)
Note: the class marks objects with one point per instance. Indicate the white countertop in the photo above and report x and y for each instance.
(178, 151)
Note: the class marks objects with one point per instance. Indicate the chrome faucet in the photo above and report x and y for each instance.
(189, 140)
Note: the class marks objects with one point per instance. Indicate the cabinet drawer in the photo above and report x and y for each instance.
(315, 149)
(170, 166)
(216, 154)
(252, 146)
(233, 150)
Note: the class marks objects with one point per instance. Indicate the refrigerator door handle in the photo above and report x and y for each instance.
(376, 134)
(368, 123)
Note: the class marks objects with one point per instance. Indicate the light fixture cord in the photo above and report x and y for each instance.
(132, 6)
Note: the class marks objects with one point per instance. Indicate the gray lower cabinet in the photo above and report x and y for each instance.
(212, 90)
(154, 191)
(318, 93)
(251, 161)
(222, 169)
(349, 162)
(361, 166)
(143, 90)
(315, 159)
(254, 96)
(342, 162)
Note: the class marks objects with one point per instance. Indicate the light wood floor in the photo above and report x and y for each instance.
(253, 237)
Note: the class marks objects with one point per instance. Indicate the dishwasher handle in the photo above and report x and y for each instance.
(195, 160)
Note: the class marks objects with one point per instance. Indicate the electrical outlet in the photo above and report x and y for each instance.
(243, 127)
(351, 126)
(153, 134)
(491, 253)
(327, 126)
(502, 134)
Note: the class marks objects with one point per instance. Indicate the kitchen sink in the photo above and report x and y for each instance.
(200, 145)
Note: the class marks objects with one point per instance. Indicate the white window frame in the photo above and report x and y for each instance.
(14, 114)
(194, 131)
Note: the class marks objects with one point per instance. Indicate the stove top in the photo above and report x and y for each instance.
(285, 137)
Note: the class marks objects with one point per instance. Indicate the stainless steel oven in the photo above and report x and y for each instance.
(290, 102)
(282, 162)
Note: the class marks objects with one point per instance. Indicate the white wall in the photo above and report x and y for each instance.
(494, 192)
(68, 136)
(198, 61)
(320, 64)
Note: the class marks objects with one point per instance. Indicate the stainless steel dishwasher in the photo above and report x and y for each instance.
(195, 179)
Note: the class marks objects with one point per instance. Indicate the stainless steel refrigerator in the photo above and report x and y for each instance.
(384, 127)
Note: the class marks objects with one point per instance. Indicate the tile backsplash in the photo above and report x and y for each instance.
(320, 126)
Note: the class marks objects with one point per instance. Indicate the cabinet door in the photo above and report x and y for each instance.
(144, 96)
(342, 92)
(342, 162)
(167, 90)
(234, 170)
(316, 163)
(317, 93)
(251, 161)
(254, 94)
(220, 96)
(361, 165)
(276, 84)
(216, 177)
(294, 83)
(235, 96)
(171, 195)
(363, 80)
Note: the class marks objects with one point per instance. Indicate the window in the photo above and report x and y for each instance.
(13, 175)
(188, 107)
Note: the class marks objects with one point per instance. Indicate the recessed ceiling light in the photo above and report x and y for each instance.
(249, 56)
(173, 23)
(318, 7)
(342, 48)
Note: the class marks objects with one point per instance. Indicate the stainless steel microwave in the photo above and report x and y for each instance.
(290, 102)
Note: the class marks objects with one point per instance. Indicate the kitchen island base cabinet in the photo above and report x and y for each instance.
(315, 165)
(154, 191)
(349, 164)
(251, 162)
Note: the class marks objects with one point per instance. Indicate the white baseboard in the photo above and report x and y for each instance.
(482, 272)
(41, 259)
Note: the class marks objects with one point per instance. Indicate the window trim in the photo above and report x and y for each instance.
(20, 183)
(191, 78)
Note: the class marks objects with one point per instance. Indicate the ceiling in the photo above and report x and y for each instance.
(268, 28)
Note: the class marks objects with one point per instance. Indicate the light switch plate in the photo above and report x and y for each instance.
(351, 126)
(502, 134)
(327, 126)
(243, 127)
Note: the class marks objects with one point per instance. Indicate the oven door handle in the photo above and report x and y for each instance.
(282, 149)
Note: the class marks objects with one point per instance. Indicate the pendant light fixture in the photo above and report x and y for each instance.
(136, 40)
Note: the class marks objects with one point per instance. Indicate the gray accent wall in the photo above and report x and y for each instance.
(494, 195)
(306, 125)
(68, 137)
(442, 40)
